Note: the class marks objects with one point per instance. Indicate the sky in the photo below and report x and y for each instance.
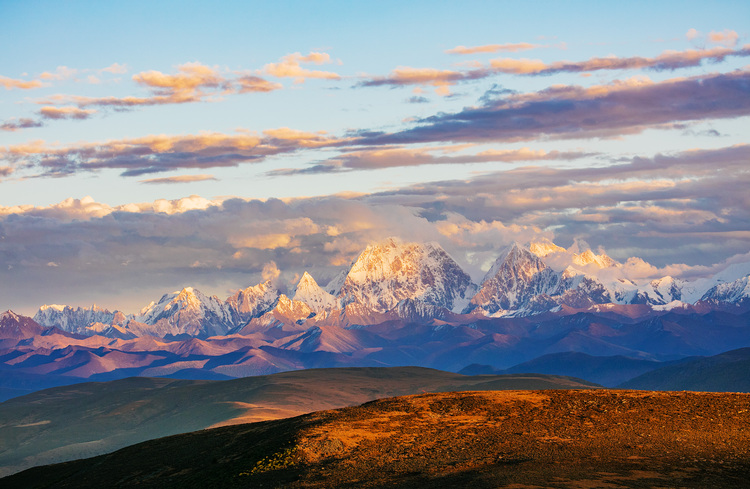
(147, 146)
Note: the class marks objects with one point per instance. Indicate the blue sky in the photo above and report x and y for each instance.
(620, 124)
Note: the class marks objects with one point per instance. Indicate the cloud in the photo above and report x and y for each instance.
(493, 48)
(726, 38)
(193, 82)
(444, 79)
(180, 179)
(418, 99)
(577, 112)
(10, 83)
(159, 153)
(116, 69)
(250, 83)
(22, 123)
(668, 60)
(50, 112)
(389, 157)
(61, 73)
(667, 209)
(661, 208)
(289, 67)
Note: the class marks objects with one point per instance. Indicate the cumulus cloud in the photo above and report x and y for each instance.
(290, 67)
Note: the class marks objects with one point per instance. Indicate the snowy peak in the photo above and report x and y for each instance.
(515, 278)
(388, 272)
(253, 301)
(187, 312)
(588, 257)
(736, 292)
(544, 248)
(309, 292)
(74, 320)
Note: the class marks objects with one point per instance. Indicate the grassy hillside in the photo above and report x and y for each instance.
(520, 439)
(83, 420)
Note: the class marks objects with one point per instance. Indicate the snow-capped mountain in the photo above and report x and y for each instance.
(388, 272)
(78, 320)
(736, 293)
(527, 280)
(416, 283)
(516, 280)
(187, 312)
(309, 292)
(253, 301)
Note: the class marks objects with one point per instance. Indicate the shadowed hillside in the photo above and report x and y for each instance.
(726, 372)
(83, 420)
(562, 439)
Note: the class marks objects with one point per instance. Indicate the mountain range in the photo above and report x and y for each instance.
(397, 304)
(414, 281)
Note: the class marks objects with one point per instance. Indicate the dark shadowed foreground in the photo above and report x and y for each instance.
(519, 439)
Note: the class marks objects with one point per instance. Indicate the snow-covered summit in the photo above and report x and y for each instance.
(309, 292)
(388, 272)
(187, 312)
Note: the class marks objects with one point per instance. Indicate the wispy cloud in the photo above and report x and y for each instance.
(22, 123)
(444, 79)
(160, 153)
(179, 179)
(389, 157)
(11, 83)
(65, 113)
(667, 61)
(493, 48)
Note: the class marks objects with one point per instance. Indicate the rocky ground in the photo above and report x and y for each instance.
(512, 439)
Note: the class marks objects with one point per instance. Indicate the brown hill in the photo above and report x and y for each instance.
(531, 439)
(83, 420)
